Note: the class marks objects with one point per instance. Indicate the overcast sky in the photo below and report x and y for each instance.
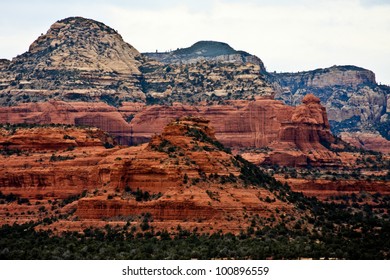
(288, 36)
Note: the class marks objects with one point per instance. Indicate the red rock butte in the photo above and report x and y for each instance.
(184, 175)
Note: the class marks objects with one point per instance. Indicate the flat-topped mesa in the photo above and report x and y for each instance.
(342, 75)
(347, 75)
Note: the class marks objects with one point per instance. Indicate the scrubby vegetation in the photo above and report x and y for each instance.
(323, 230)
(142, 195)
(7, 198)
(199, 135)
(344, 227)
(23, 242)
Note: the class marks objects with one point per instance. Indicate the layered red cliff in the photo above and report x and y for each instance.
(292, 135)
(182, 175)
(71, 177)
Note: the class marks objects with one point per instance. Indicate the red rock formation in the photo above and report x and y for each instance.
(238, 124)
(324, 189)
(186, 175)
(99, 115)
(51, 161)
(367, 141)
(185, 167)
(183, 176)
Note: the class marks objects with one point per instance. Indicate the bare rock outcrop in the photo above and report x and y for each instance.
(350, 94)
(76, 59)
(184, 174)
(367, 141)
(206, 51)
(287, 133)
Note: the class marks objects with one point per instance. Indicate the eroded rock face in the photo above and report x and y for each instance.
(50, 161)
(76, 59)
(98, 115)
(367, 141)
(351, 96)
(206, 51)
(264, 123)
(183, 175)
(206, 81)
(324, 189)
(81, 59)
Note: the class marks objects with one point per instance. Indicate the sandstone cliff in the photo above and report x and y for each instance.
(69, 178)
(351, 96)
(83, 60)
(367, 141)
(275, 133)
(182, 175)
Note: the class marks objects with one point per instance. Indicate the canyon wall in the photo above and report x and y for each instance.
(263, 123)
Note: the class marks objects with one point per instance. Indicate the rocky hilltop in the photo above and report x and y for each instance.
(80, 59)
(205, 82)
(206, 51)
(76, 59)
(353, 99)
(4, 63)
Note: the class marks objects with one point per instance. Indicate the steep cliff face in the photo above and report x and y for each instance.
(290, 132)
(367, 141)
(97, 114)
(54, 161)
(351, 96)
(207, 82)
(69, 178)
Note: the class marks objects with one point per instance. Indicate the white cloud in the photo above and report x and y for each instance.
(286, 35)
